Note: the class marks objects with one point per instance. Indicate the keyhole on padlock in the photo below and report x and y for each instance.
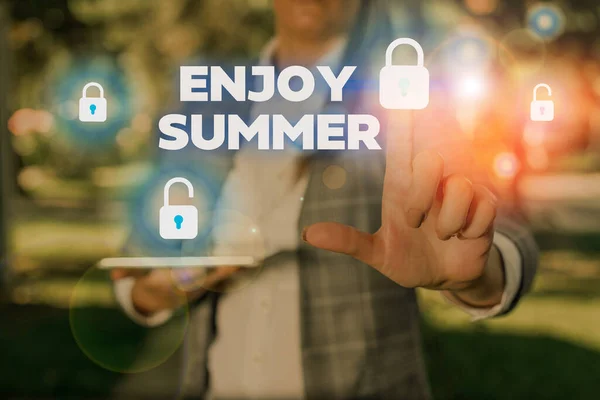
(93, 109)
(404, 84)
(178, 221)
(542, 110)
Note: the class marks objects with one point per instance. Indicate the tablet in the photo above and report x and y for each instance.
(176, 262)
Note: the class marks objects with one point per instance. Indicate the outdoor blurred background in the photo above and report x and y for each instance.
(66, 187)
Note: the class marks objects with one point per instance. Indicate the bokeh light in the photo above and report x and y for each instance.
(506, 165)
(472, 87)
(546, 20)
(482, 7)
(27, 121)
(334, 177)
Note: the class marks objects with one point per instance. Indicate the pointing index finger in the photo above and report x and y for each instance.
(400, 147)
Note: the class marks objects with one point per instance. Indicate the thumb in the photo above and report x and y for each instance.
(344, 239)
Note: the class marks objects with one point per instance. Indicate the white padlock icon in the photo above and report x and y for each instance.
(542, 110)
(404, 87)
(178, 222)
(93, 109)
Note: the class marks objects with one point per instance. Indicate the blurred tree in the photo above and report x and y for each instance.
(6, 156)
(148, 39)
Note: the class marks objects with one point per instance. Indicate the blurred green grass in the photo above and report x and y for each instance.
(549, 348)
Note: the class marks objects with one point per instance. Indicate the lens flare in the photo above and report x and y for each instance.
(113, 341)
(472, 87)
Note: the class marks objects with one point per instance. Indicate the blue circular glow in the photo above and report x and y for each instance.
(66, 91)
(144, 208)
(546, 21)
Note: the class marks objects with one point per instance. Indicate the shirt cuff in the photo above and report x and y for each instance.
(513, 274)
(123, 289)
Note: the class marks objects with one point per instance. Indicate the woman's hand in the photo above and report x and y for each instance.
(436, 231)
(160, 289)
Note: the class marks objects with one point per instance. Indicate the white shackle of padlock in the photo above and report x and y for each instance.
(93, 84)
(535, 90)
(174, 181)
(404, 41)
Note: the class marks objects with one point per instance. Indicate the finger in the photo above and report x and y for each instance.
(456, 202)
(343, 239)
(481, 215)
(428, 170)
(399, 153)
(191, 279)
(219, 275)
(121, 273)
